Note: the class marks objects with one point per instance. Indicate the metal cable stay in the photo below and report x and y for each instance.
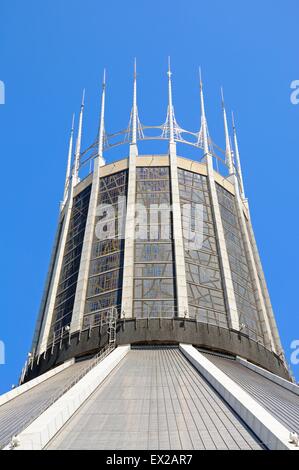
(183, 136)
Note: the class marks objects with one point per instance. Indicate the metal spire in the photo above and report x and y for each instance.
(237, 155)
(170, 105)
(134, 109)
(228, 150)
(102, 123)
(69, 159)
(170, 129)
(135, 129)
(204, 126)
(78, 144)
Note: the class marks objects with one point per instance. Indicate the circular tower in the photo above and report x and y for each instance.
(155, 249)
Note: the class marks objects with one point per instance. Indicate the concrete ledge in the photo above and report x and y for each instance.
(162, 331)
(37, 435)
(273, 434)
(32, 383)
(268, 375)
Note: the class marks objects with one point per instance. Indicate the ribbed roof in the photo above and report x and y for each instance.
(15, 414)
(155, 399)
(280, 402)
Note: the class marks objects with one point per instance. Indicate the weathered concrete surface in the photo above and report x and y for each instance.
(164, 331)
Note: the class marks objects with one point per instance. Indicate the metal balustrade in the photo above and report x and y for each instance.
(115, 313)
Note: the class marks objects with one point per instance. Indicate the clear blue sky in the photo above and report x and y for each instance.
(50, 50)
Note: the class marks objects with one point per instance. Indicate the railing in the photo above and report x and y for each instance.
(150, 312)
(182, 136)
(95, 360)
(65, 333)
(252, 334)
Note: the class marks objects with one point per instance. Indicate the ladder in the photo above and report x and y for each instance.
(111, 325)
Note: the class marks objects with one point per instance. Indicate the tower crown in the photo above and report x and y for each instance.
(169, 131)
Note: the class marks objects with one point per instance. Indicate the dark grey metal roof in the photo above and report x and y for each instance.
(154, 399)
(29, 404)
(279, 401)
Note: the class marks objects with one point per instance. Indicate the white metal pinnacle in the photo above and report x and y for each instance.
(102, 122)
(75, 178)
(228, 151)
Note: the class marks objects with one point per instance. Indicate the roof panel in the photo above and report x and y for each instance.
(155, 399)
